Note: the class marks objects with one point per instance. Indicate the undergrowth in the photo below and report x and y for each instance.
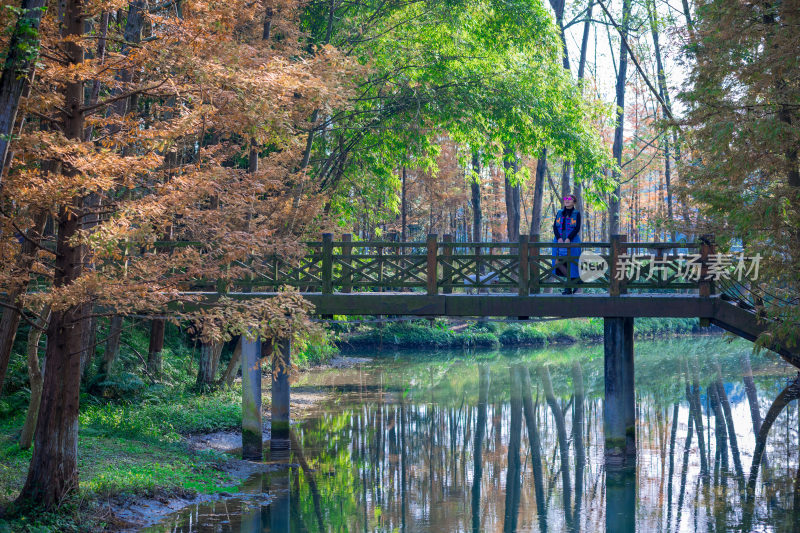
(438, 334)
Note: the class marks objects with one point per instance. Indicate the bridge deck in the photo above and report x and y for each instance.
(435, 278)
(502, 305)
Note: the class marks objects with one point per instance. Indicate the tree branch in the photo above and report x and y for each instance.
(88, 109)
(635, 62)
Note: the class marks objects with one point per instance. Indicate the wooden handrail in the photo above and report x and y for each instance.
(523, 267)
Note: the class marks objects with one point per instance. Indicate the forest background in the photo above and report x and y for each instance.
(252, 126)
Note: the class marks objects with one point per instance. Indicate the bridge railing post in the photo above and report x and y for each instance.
(533, 259)
(616, 282)
(327, 263)
(379, 251)
(433, 248)
(523, 265)
(706, 285)
(447, 269)
(347, 269)
(396, 271)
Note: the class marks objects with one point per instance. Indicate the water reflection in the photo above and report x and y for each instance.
(513, 442)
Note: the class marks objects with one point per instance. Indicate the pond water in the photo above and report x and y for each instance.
(472, 441)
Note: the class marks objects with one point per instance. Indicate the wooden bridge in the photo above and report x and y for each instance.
(622, 280)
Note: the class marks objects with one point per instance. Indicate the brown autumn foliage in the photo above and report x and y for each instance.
(171, 122)
(202, 90)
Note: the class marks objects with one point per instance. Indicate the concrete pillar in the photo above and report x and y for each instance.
(281, 365)
(252, 437)
(620, 402)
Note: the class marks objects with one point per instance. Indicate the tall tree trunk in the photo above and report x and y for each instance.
(157, 328)
(475, 183)
(558, 8)
(538, 193)
(53, 471)
(688, 15)
(663, 90)
(35, 376)
(233, 365)
(209, 362)
(9, 322)
(112, 346)
(89, 220)
(585, 42)
(512, 192)
(268, 23)
(101, 55)
(132, 35)
(614, 204)
(17, 70)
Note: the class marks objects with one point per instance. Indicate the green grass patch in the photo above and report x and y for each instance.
(421, 334)
(127, 448)
(165, 418)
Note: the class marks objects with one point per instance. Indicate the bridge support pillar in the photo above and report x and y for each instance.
(281, 365)
(252, 436)
(620, 402)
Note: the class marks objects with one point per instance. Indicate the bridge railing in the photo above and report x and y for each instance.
(443, 266)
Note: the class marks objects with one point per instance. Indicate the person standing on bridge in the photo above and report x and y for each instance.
(566, 229)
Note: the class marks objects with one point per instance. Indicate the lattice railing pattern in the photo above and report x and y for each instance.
(526, 267)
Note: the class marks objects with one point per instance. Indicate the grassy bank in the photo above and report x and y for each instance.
(130, 427)
(442, 334)
(126, 449)
(130, 431)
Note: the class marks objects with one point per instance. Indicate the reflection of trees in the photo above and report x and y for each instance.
(513, 469)
(671, 473)
(687, 446)
(430, 452)
(535, 445)
(309, 474)
(790, 393)
(752, 398)
(721, 451)
(577, 437)
(787, 395)
(477, 457)
(563, 443)
(696, 413)
(722, 396)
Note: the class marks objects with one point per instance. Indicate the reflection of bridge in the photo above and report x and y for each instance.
(436, 278)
